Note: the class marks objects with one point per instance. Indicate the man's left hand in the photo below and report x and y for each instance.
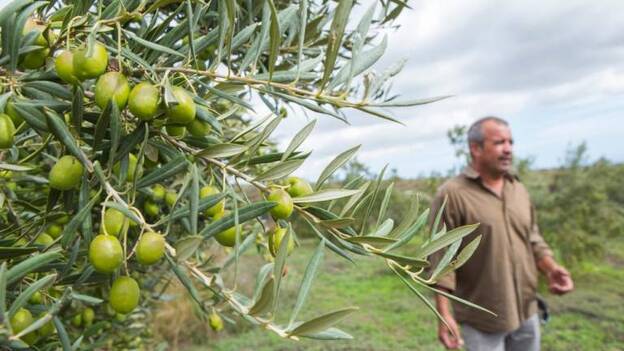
(559, 280)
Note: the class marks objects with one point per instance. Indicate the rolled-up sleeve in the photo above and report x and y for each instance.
(538, 244)
(451, 220)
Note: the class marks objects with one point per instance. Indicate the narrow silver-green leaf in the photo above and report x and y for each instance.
(70, 230)
(359, 64)
(86, 298)
(369, 208)
(354, 198)
(384, 204)
(62, 333)
(16, 39)
(21, 300)
(325, 195)
(410, 217)
(77, 108)
(463, 256)
(166, 171)
(194, 199)
(409, 103)
(3, 285)
(183, 211)
(298, 139)
(446, 259)
(335, 164)
(249, 129)
(371, 240)
(329, 334)
(411, 231)
(59, 129)
(101, 126)
(455, 298)
(337, 222)
(305, 103)
(281, 170)
(436, 222)
(404, 260)
(306, 281)
(336, 32)
(31, 264)
(280, 262)
(51, 88)
(422, 298)
(445, 240)
(265, 301)
(11, 8)
(181, 274)
(186, 247)
(244, 214)
(32, 116)
(148, 44)
(323, 322)
(261, 278)
(15, 168)
(274, 38)
(340, 252)
(384, 229)
(303, 21)
(223, 150)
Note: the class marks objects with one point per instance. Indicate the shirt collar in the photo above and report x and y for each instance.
(471, 173)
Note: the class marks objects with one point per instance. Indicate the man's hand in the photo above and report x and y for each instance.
(445, 335)
(559, 279)
(449, 336)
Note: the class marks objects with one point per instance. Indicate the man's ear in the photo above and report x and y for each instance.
(474, 149)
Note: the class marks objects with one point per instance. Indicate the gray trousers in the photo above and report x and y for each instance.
(525, 338)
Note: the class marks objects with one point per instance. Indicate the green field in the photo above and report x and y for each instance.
(392, 318)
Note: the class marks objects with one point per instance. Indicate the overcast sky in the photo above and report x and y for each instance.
(553, 69)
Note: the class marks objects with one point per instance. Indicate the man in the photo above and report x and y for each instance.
(502, 273)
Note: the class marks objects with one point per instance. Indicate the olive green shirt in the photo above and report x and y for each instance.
(502, 273)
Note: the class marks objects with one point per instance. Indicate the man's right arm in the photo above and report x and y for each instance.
(450, 335)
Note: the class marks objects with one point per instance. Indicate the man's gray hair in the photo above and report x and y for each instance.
(475, 132)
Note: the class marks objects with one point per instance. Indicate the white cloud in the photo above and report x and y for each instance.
(539, 64)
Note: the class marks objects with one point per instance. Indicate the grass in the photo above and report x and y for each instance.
(392, 318)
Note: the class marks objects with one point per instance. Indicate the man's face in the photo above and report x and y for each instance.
(495, 155)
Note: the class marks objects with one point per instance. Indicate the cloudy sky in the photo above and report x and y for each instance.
(554, 69)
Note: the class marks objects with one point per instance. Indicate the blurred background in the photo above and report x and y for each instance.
(555, 71)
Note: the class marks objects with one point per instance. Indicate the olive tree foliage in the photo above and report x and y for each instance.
(309, 56)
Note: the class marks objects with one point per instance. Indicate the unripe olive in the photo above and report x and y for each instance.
(7, 131)
(298, 187)
(86, 67)
(198, 128)
(275, 240)
(170, 198)
(64, 65)
(158, 192)
(144, 100)
(66, 174)
(151, 209)
(112, 86)
(132, 168)
(184, 111)
(12, 112)
(211, 190)
(151, 248)
(176, 130)
(284, 206)
(215, 321)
